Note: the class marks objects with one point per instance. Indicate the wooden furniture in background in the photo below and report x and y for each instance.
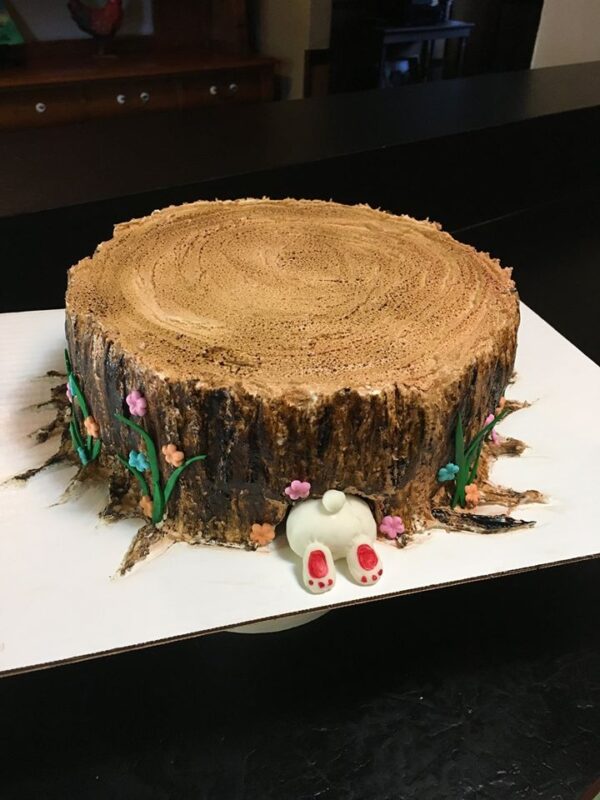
(71, 89)
(427, 35)
(199, 55)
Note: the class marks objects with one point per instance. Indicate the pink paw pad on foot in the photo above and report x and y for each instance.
(318, 569)
(363, 562)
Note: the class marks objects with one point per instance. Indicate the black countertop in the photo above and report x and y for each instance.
(58, 166)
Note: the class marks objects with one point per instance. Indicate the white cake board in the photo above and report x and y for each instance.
(60, 600)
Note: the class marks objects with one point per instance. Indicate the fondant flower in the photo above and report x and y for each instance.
(501, 404)
(493, 435)
(262, 534)
(298, 490)
(82, 455)
(471, 495)
(447, 473)
(69, 394)
(137, 403)
(146, 505)
(172, 455)
(91, 427)
(391, 527)
(138, 461)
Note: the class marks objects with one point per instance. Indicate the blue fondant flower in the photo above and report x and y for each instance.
(138, 461)
(82, 455)
(447, 473)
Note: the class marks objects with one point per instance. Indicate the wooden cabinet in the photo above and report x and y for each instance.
(43, 105)
(224, 86)
(57, 92)
(115, 98)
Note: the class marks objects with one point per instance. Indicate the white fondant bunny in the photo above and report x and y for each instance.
(336, 526)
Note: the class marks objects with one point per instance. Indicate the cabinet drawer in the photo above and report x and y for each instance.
(24, 108)
(224, 86)
(116, 98)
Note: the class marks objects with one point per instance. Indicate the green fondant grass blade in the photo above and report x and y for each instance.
(468, 460)
(92, 446)
(138, 475)
(459, 442)
(75, 434)
(459, 492)
(158, 499)
(80, 397)
(475, 465)
(170, 485)
(459, 458)
(486, 431)
(96, 449)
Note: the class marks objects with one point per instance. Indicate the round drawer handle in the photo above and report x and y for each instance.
(40, 107)
(233, 87)
(214, 90)
(144, 97)
(121, 99)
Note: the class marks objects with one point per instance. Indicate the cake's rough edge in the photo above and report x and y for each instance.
(123, 504)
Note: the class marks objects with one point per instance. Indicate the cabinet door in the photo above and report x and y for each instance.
(48, 105)
(131, 96)
(240, 85)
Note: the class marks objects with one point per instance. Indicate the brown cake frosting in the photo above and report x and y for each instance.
(291, 340)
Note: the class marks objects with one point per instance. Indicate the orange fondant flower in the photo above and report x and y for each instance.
(91, 427)
(262, 534)
(172, 455)
(471, 495)
(146, 505)
(501, 404)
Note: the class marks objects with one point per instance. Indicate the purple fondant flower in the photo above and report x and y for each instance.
(391, 527)
(493, 435)
(298, 490)
(137, 403)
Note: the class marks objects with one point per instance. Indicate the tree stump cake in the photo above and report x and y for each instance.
(288, 340)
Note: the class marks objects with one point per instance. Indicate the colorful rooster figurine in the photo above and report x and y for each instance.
(101, 23)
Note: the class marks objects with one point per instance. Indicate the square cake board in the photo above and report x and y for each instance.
(61, 598)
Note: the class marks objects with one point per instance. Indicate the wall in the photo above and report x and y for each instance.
(286, 30)
(569, 33)
(43, 20)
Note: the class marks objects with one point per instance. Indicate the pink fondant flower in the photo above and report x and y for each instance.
(298, 490)
(137, 403)
(69, 394)
(471, 495)
(172, 455)
(391, 527)
(493, 435)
